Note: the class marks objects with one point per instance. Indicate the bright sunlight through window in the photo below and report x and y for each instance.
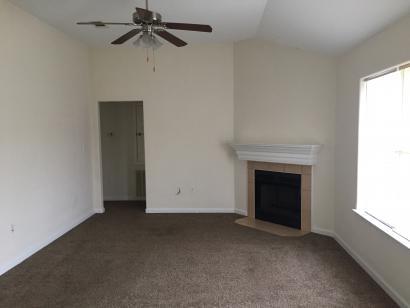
(384, 150)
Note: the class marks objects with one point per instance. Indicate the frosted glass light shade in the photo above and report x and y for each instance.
(147, 40)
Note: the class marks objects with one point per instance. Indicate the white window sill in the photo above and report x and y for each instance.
(383, 228)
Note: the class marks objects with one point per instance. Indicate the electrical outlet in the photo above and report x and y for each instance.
(178, 191)
(12, 228)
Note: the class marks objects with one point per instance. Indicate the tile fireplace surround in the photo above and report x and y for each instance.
(286, 158)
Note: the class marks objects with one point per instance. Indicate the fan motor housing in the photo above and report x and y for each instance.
(146, 17)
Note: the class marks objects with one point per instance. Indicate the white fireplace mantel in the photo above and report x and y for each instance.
(297, 154)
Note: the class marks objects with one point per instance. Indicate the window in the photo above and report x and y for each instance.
(384, 151)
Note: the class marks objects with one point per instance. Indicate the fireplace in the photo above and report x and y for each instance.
(278, 198)
(279, 187)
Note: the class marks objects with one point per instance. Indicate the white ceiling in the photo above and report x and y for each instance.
(329, 26)
(230, 19)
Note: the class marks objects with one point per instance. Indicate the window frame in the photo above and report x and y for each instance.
(375, 222)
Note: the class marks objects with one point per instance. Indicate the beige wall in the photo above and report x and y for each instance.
(200, 100)
(378, 251)
(285, 95)
(188, 117)
(45, 178)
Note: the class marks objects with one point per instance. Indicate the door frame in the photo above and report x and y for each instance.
(96, 152)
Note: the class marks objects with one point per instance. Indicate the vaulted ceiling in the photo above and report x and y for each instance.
(328, 26)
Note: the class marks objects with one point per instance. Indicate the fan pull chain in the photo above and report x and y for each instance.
(153, 59)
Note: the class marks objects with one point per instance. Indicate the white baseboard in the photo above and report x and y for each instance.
(241, 212)
(372, 273)
(38, 246)
(195, 211)
(323, 231)
(188, 210)
(123, 198)
(99, 211)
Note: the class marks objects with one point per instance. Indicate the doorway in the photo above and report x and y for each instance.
(123, 153)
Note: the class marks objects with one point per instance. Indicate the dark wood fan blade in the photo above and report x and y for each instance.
(92, 23)
(171, 38)
(143, 11)
(103, 24)
(126, 37)
(143, 15)
(188, 27)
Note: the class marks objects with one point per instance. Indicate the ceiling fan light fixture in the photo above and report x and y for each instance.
(147, 40)
(150, 25)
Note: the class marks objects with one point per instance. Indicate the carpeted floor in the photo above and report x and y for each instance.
(126, 258)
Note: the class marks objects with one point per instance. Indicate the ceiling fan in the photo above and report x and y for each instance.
(149, 24)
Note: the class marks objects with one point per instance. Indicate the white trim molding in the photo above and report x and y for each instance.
(369, 270)
(189, 210)
(383, 228)
(195, 211)
(321, 231)
(372, 273)
(241, 212)
(40, 245)
(124, 198)
(297, 154)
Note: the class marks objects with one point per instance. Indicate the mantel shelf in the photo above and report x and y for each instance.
(296, 154)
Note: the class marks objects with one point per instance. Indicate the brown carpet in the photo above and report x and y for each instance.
(126, 258)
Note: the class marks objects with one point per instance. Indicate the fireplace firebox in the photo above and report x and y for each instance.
(278, 198)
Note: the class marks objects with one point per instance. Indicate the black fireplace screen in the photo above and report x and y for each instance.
(278, 198)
